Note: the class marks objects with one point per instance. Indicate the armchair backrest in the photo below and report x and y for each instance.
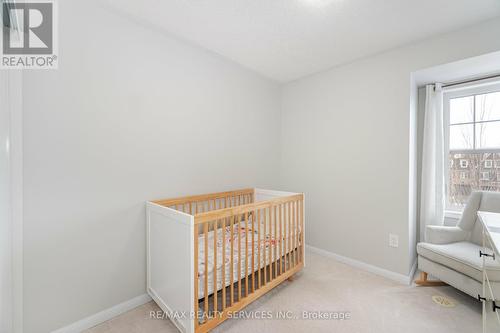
(478, 201)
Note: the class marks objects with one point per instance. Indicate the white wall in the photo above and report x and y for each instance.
(130, 115)
(346, 143)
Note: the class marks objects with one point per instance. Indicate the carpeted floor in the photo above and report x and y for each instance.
(375, 304)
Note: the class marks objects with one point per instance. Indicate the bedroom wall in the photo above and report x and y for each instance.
(130, 115)
(346, 143)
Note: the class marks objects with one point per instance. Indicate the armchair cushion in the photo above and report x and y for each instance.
(443, 235)
(462, 257)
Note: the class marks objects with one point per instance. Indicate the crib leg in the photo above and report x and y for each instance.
(291, 278)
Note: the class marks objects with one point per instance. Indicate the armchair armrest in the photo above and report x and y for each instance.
(443, 235)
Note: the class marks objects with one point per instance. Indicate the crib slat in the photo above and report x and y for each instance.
(302, 216)
(223, 264)
(292, 233)
(289, 235)
(215, 266)
(253, 252)
(246, 254)
(231, 271)
(269, 252)
(275, 242)
(258, 248)
(239, 259)
(195, 241)
(205, 232)
(292, 251)
(280, 238)
(265, 245)
(296, 232)
(283, 244)
(285, 239)
(285, 236)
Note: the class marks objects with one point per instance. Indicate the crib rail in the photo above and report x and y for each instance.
(255, 246)
(208, 202)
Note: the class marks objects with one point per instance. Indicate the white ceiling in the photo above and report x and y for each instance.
(287, 39)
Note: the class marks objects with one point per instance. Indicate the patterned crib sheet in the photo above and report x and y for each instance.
(267, 245)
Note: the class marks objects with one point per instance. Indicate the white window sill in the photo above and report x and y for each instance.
(453, 214)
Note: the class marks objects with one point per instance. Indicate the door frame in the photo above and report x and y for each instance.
(11, 94)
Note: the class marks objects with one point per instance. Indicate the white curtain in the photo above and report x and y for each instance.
(432, 198)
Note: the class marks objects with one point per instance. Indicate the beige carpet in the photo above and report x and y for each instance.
(375, 304)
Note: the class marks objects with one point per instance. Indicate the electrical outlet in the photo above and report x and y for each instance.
(393, 240)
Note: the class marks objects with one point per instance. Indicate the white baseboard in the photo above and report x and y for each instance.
(404, 279)
(104, 315)
(118, 309)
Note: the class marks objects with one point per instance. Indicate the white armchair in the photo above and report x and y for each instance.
(451, 253)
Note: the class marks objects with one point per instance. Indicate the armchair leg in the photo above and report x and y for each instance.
(426, 283)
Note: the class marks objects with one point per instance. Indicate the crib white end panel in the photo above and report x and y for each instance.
(170, 259)
(263, 195)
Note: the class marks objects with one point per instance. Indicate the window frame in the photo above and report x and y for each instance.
(485, 178)
(458, 92)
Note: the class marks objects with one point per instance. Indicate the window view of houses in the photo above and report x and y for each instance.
(471, 172)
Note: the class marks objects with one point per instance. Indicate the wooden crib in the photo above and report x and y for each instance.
(211, 255)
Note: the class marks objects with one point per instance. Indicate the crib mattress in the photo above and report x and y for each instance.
(267, 245)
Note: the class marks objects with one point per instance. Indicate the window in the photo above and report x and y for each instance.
(472, 117)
